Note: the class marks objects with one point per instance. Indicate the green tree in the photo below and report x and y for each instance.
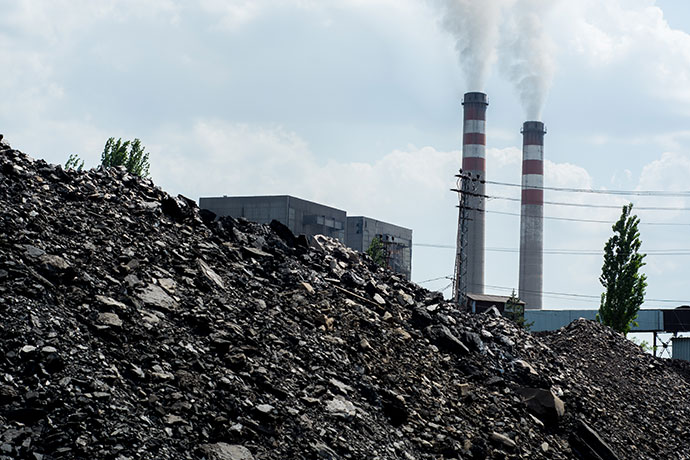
(130, 154)
(620, 275)
(74, 162)
(377, 251)
(515, 311)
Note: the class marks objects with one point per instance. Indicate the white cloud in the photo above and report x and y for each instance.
(670, 172)
(499, 158)
(237, 159)
(566, 175)
(234, 13)
(632, 35)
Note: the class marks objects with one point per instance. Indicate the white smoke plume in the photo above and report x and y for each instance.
(526, 54)
(475, 26)
(511, 31)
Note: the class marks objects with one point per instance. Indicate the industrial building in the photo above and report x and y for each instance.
(304, 217)
(480, 303)
(657, 321)
(396, 240)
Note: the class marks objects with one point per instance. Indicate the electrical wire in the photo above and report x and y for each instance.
(441, 290)
(685, 193)
(595, 221)
(569, 219)
(600, 206)
(585, 252)
(580, 296)
(560, 295)
(449, 277)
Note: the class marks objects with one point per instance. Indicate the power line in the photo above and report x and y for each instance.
(557, 295)
(594, 221)
(594, 191)
(449, 277)
(441, 246)
(593, 252)
(441, 290)
(570, 219)
(600, 206)
(584, 296)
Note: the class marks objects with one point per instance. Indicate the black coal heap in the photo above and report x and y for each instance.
(135, 327)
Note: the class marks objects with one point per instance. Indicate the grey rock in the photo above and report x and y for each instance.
(110, 320)
(588, 445)
(224, 451)
(324, 452)
(154, 296)
(210, 275)
(341, 407)
(445, 340)
(503, 439)
(265, 408)
(543, 403)
(33, 251)
(111, 303)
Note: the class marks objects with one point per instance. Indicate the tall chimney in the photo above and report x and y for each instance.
(474, 163)
(532, 215)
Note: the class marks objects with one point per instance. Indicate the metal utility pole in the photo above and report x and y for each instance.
(466, 188)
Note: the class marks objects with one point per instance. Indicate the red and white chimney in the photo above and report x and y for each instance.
(532, 215)
(474, 164)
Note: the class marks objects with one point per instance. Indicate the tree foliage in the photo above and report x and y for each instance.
(130, 154)
(74, 162)
(620, 275)
(377, 251)
(515, 311)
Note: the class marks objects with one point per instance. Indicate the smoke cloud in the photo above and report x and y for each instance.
(510, 31)
(526, 54)
(475, 26)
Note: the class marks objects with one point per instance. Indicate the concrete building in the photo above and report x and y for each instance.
(300, 216)
(396, 240)
(304, 217)
(479, 303)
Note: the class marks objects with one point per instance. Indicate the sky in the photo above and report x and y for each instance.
(357, 104)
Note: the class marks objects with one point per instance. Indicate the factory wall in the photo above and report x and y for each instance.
(300, 216)
(398, 241)
(309, 218)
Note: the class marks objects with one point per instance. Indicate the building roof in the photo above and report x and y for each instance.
(380, 221)
(267, 197)
(491, 298)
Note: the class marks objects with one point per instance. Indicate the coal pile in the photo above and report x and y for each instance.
(135, 326)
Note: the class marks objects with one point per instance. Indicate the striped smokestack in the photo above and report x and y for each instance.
(474, 163)
(532, 215)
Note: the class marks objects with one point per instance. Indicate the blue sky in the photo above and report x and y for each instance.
(356, 104)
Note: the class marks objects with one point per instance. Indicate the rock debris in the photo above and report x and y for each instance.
(135, 326)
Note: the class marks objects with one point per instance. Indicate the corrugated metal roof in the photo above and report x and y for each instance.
(490, 298)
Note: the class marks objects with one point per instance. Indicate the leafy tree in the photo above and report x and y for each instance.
(620, 275)
(130, 154)
(515, 311)
(74, 162)
(646, 347)
(377, 251)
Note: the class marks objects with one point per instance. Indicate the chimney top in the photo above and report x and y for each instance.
(475, 98)
(533, 126)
